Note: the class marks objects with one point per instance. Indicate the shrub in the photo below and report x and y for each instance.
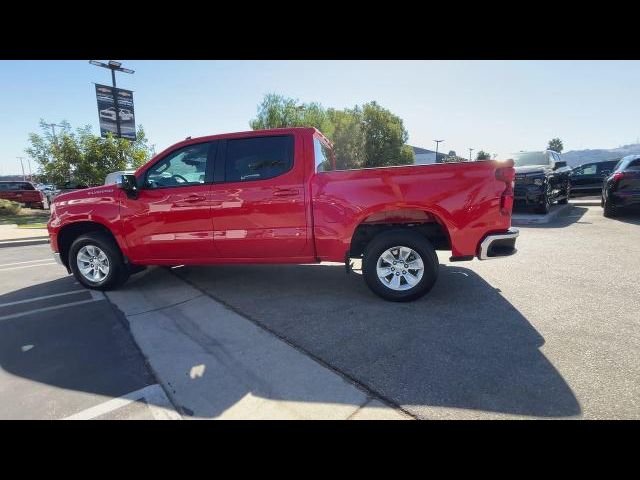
(7, 207)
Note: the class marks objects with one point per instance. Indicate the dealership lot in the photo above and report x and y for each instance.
(65, 351)
(552, 332)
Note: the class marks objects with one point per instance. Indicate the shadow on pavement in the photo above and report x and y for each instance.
(85, 348)
(572, 215)
(463, 346)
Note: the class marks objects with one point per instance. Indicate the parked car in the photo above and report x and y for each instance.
(48, 190)
(622, 187)
(25, 193)
(542, 178)
(113, 177)
(274, 196)
(587, 179)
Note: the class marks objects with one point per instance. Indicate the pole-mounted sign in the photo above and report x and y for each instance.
(115, 105)
(116, 112)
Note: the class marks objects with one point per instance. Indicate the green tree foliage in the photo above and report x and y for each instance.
(482, 155)
(556, 145)
(83, 157)
(454, 159)
(366, 136)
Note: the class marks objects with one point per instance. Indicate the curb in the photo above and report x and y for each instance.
(20, 242)
(530, 219)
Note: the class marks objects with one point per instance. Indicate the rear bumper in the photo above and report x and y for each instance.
(498, 245)
(624, 199)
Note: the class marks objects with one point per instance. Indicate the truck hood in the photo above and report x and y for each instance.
(87, 194)
(531, 169)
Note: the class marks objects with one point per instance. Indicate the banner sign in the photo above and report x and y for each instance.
(107, 112)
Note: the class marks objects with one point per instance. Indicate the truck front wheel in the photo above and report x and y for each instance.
(400, 265)
(96, 262)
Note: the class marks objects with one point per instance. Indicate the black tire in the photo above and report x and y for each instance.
(118, 272)
(400, 238)
(610, 209)
(565, 200)
(545, 207)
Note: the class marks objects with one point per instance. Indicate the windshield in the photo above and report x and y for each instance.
(525, 159)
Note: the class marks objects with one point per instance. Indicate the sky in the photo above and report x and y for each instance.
(497, 106)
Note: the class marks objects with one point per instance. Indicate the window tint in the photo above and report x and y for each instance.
(635, 165)
(184, 167)
(16, 186)
(589, 170)
(258, 158)
(323, 156)
(605, 167)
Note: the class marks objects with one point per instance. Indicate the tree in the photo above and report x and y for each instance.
(482, 155)
(454, 159)
(82, 156)
(556, 145)
(367, 136)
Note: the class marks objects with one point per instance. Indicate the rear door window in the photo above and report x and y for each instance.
(258, 158)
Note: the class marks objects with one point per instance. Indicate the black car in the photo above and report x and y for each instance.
(587, 179)
(622, 187)
(541, 179)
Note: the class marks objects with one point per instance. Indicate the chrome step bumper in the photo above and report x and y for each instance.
(499, 245)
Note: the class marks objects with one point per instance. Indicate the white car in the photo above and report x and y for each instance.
(125, 114)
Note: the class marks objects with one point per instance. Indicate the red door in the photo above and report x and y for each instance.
(171, 217)
(258, 208)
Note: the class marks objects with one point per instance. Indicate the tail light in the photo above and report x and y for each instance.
(508, 176)
(617, 176)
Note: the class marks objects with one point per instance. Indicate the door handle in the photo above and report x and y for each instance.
(286, 192)
(189, 200)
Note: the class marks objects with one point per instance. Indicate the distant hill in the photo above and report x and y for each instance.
(578, 157)
(10, 178)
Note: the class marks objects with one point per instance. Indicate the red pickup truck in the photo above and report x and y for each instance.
(274, 196)
(25, 193)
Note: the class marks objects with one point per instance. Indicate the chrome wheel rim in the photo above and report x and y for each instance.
(93, 263)
(400, 268)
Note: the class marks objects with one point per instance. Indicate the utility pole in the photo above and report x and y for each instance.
(437, 143)
(114, 66)
(22, 165)
(470, 150)
(53, 129)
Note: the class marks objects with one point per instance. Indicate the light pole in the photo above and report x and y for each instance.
(437, 143)
(113, 66)
(22, 166)
(470, 150)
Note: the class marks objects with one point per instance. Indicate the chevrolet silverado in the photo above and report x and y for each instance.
(275, 196)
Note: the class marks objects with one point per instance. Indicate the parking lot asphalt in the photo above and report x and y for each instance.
(65, 351)
(552, 332)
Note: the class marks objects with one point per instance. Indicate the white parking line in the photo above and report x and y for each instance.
(157, 401)
(47, 309)
(27, 266)
(28, 261)
(35, 299)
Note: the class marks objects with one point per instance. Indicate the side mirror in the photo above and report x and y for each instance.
(128, 184)
(559, 165)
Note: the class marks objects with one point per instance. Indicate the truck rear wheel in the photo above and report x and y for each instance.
(96, 262)
(400, 265)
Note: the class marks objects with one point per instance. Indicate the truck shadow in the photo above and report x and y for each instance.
(463, 346)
